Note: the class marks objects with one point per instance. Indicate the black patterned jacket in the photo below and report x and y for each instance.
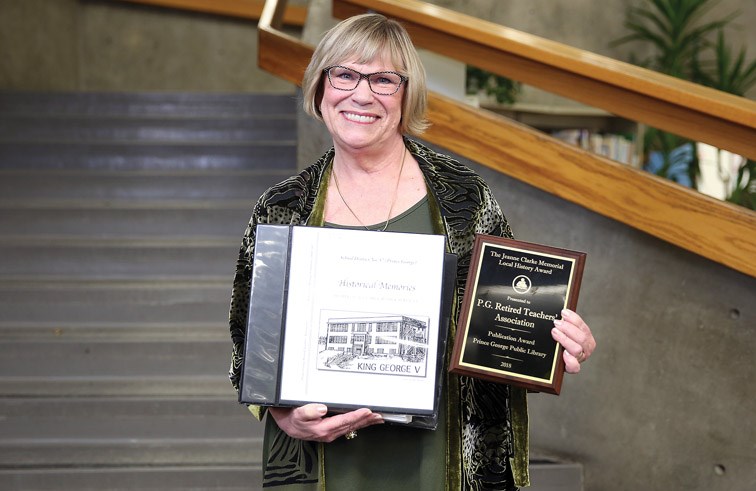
(487, 427)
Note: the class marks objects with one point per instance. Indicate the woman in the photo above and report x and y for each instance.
(366, 83)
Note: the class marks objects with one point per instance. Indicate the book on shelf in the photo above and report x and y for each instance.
(614, 146)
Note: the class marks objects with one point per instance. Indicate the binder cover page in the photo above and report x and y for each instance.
(362, 319)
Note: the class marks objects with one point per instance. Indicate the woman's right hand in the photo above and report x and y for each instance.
(309, 422)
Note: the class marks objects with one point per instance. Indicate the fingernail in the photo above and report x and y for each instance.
(558, 322)
(566, 312)
(322, 410)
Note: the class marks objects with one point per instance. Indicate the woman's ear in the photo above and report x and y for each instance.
(319, 98)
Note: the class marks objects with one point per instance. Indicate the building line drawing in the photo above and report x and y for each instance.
(374, 336)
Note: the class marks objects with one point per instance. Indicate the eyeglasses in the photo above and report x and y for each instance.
(381, 83)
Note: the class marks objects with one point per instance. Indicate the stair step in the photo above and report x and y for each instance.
(555, 476)
(103, 367)
(188, 104)
(131, 302)
(156, 385)
(147, 130)
(134, 156)
(179, 219)
(113, 331)
(544, 477)
(50, 185)
(95, 261)
(104, 358)
(60, 432)
(17, 416)
(166, 478)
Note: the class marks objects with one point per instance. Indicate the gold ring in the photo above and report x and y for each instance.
(581, 357)
(351, 434)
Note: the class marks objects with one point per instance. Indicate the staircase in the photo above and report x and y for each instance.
(120, 221)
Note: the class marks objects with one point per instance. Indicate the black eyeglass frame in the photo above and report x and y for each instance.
(366, 76)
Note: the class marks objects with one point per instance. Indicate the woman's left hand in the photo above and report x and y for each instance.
(573, 333)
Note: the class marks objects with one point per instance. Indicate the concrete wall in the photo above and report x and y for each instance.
(592, 25)
(107, 45)
(588, 24)
(112, 46)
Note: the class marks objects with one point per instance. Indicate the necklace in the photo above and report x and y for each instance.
(393, 202)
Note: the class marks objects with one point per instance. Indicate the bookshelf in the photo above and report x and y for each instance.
(587, 127)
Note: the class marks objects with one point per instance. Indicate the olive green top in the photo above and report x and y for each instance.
(383, 455)
(416, 220)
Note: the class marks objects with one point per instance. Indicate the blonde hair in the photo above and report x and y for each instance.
(362, 39)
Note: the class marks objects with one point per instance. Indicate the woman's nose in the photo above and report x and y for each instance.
(363, 91)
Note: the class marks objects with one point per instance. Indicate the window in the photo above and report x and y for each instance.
(360, 327)
(387, 327)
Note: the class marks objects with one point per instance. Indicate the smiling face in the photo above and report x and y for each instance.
(360, 119)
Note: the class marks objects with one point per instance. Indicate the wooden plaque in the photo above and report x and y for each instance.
(515, 291)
